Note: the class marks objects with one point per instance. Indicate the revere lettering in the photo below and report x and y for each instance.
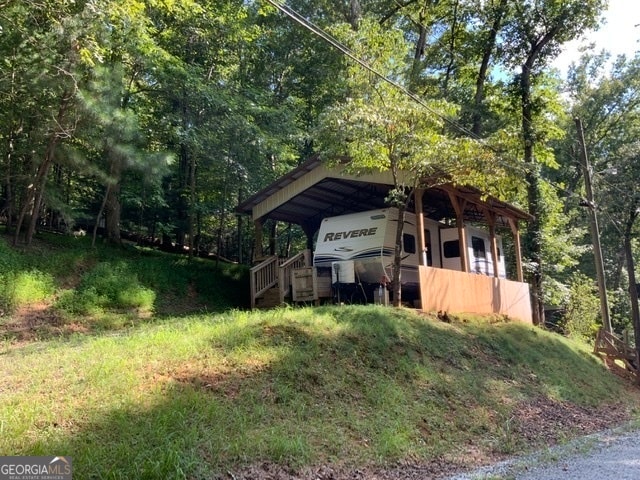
(365, 232)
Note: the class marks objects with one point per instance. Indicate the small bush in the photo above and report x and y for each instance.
(581, 317)
(109, 286)
(20, 288)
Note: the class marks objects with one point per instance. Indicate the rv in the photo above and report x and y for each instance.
(478, 251)
(357, 249)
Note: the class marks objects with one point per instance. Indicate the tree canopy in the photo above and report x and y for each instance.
(155, 118)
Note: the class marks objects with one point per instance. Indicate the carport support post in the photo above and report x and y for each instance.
(258, 253)
(491, 220)
(518, 248)
(418, 194)
(309, 231)
(458, 205)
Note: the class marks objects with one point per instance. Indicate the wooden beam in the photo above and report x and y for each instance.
(516, 243)
(422, 249)
(503, 209)
(458, 206)
(258, 252)
(491, 221)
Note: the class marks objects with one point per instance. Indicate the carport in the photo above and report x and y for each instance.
(315, 190)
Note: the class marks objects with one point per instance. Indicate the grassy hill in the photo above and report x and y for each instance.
(153, 391)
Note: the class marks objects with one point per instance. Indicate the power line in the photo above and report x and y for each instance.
(309, 25)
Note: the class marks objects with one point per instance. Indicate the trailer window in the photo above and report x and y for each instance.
(451, 249)
(408, 243)
(477, 244)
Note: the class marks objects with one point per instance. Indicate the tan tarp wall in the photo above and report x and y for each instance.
(457, 292)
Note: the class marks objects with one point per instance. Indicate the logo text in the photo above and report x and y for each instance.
(365, 232)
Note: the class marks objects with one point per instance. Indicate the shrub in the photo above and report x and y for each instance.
(108, 286)
(18, 284)
(20, 288)
(582, 311)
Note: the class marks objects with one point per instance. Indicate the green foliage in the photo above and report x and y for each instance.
(108, 286)
(24, 287)
(19, 283)
(582, 318)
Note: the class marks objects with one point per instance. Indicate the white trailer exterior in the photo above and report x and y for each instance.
(359, 247)
(478, 251)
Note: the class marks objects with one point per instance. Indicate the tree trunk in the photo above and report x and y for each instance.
(33, 198)
(112, 207)
(534, 232)
(397, 259)
(99, 216)
(489, 46)
(633, 292)
(192, 205)
(452, 48)
(419, 50)
(354, 14)
(9, 204)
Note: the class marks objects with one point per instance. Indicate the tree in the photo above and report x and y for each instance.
(532, 38)
(380, 128)
(42, 56)
(610, 104)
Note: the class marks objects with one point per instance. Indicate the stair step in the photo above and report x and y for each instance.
(269, 299)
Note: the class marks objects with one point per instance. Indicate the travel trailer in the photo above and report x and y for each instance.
(478, 251)
(357, 249)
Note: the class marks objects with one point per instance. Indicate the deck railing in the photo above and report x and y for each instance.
(284, 273)
(271, 272)
(263, 277)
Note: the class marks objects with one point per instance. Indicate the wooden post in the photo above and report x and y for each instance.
(491, 220)
(595, 232)
(458, 205)
(258, 252)
(418, 194)
(309, 231)
(516, 243)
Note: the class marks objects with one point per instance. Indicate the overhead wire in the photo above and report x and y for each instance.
(309, 25)
(349, 53)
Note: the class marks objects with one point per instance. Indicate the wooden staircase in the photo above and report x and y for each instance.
(271, 279)
(269, 299)
(617, 355)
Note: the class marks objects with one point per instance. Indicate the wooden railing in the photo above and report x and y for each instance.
(262, 277)
(617, 355)
(270, 273)
(284, 273)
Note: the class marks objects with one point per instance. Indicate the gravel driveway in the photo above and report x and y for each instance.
(611, 455)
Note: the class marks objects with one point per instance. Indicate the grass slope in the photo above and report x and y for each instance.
(202, 395)
(61, 285)
(192, 397)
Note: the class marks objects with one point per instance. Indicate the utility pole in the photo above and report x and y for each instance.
(595, 232)
(633, 293)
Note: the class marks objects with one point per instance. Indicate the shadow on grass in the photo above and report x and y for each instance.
(350, 385)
